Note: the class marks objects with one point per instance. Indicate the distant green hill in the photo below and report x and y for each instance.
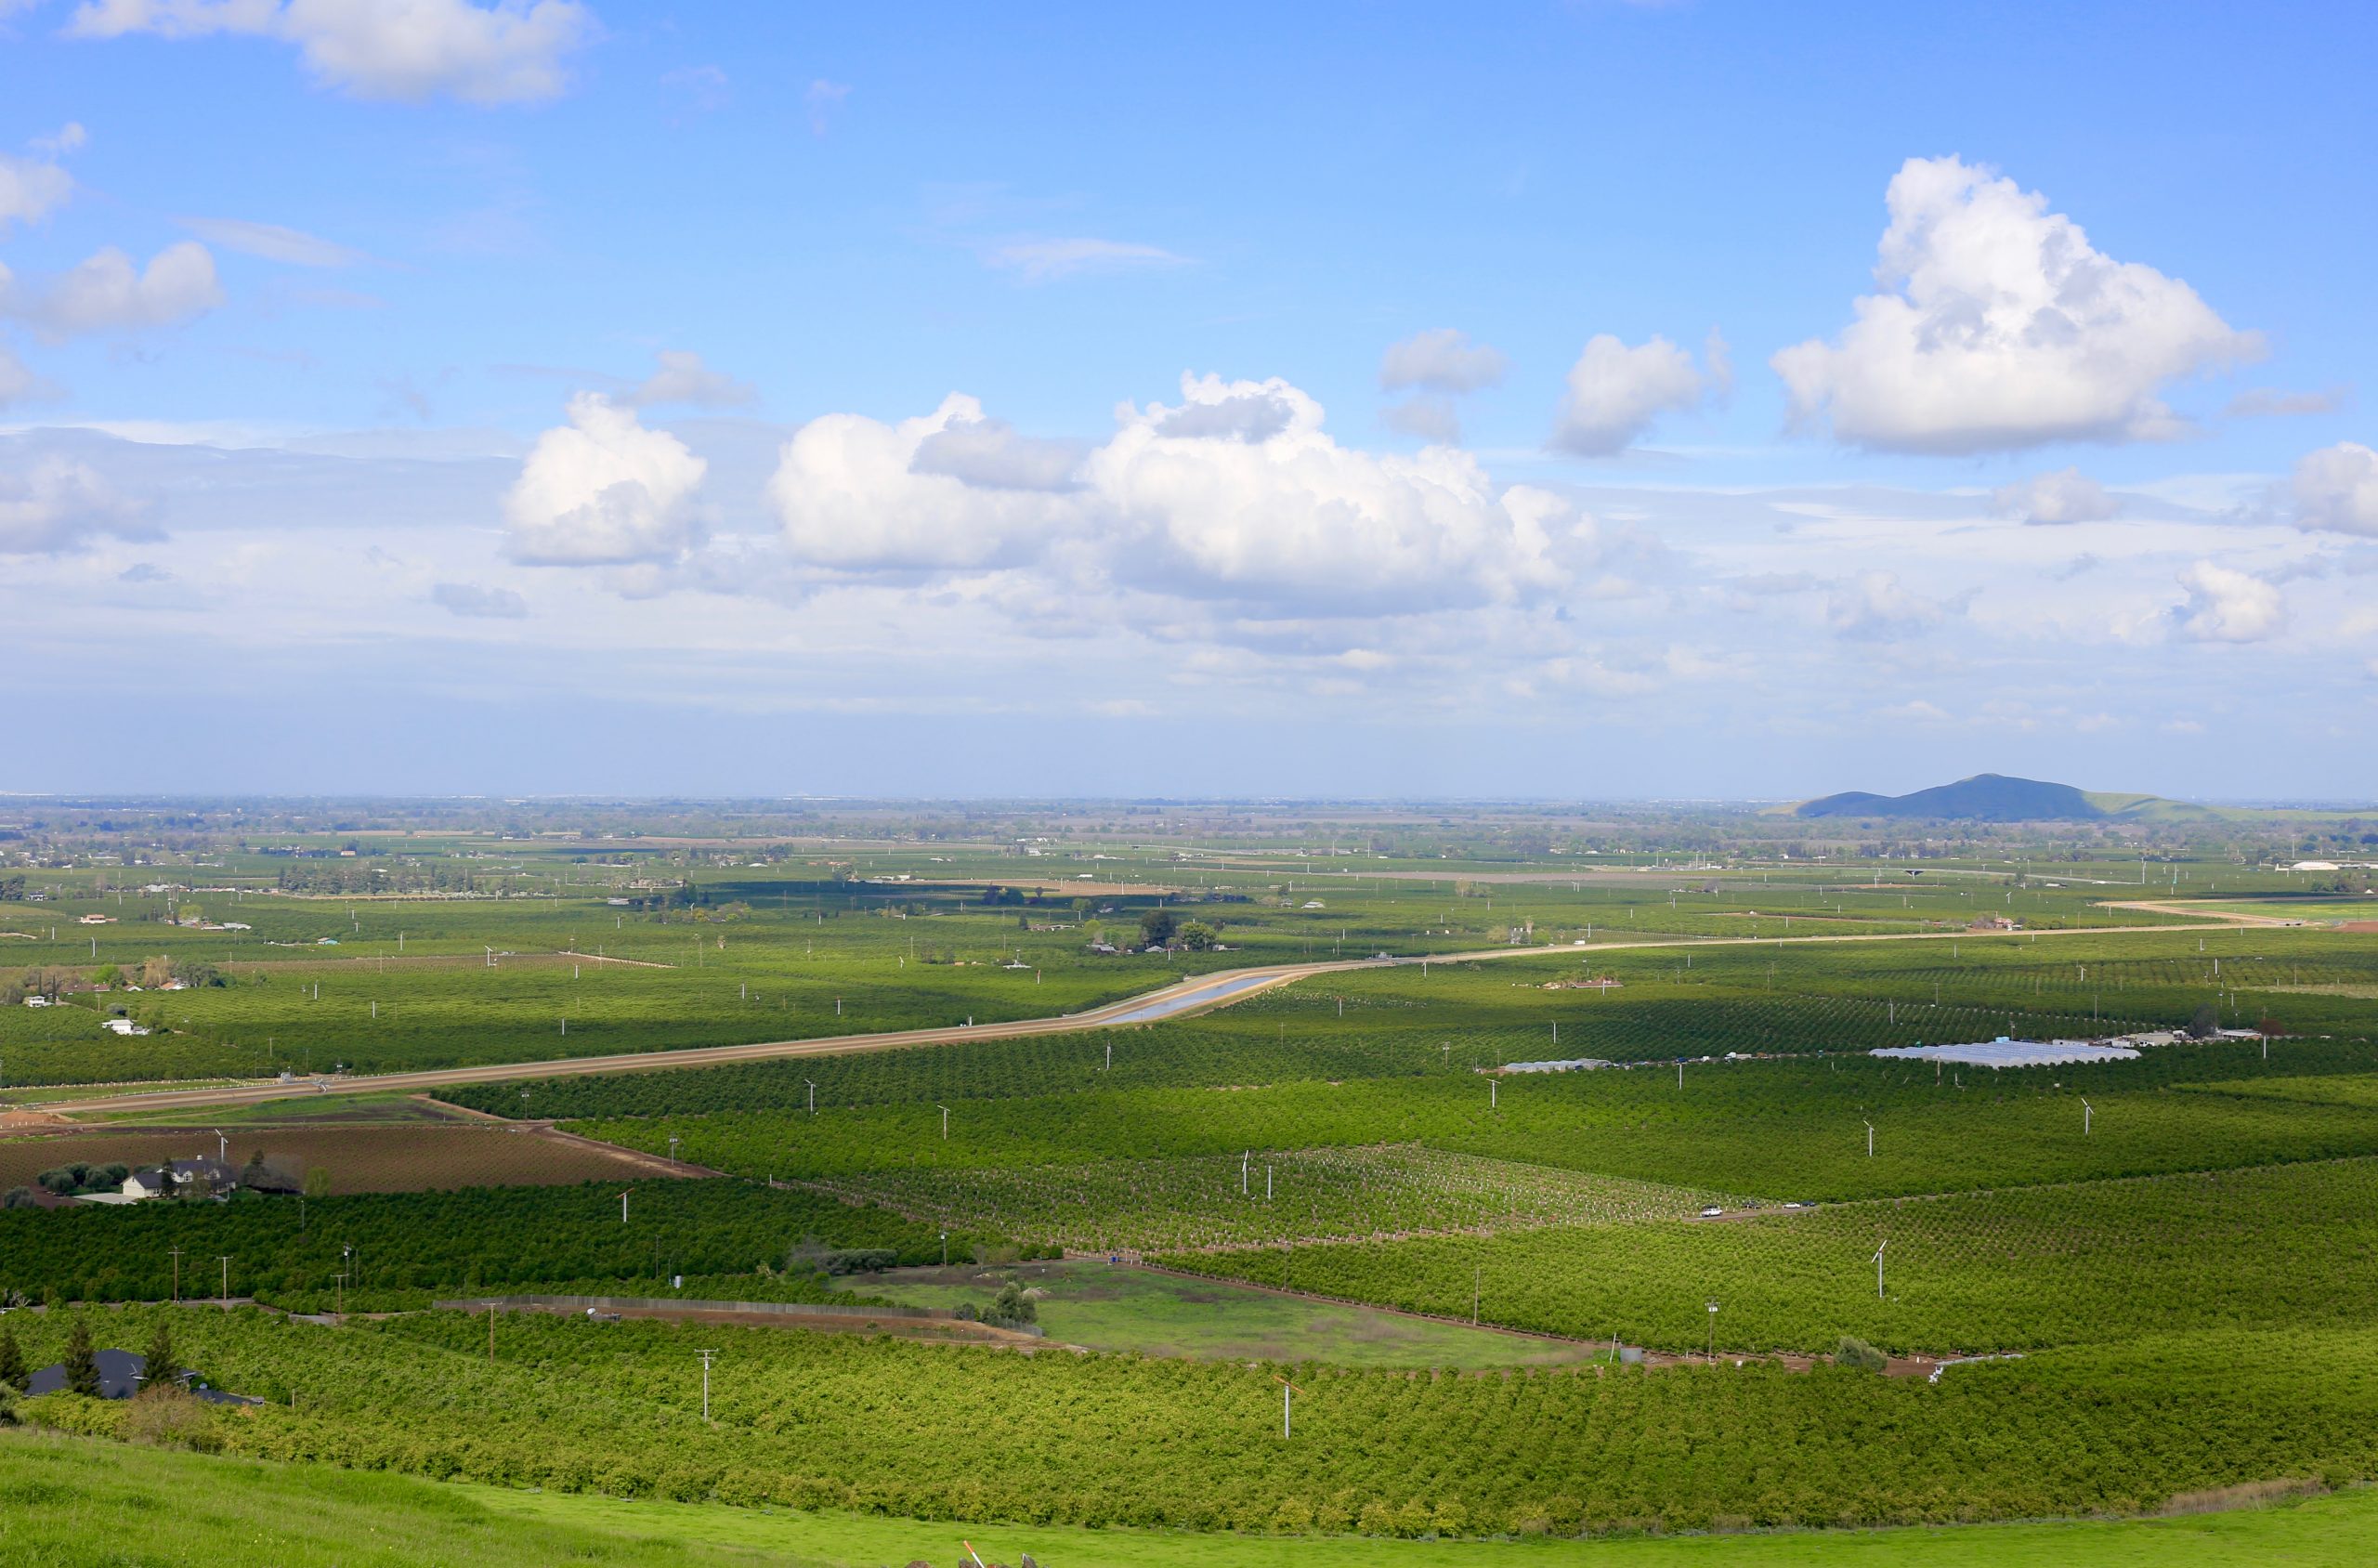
(1993, 797)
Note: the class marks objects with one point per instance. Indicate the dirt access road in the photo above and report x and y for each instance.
(2205, 910)
(1180, 1000)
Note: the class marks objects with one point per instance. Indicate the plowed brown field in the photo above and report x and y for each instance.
(358, 1159)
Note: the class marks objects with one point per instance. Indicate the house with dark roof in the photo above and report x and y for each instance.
(207, 1172)
(204, 1175)
(151, 1183)
(121, 1375)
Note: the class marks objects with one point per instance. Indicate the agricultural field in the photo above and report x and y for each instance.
(414, 1245)
(807, 1421)
(1282, 1195)
(1105, 1306)
(1491, 1285)
(439, 953)
(2084, 1263)
(354, 1157)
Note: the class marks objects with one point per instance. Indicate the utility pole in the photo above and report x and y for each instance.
(706, 1356)
(177, 1273)
(813, 1094)
(1288, 1407)
(2086, 1110)
(225, 1259)
(1870, 1139)
(945, 1122)
(1879, 1269)
(1713, 1333)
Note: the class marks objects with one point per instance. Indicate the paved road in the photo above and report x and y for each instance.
(1199, 995)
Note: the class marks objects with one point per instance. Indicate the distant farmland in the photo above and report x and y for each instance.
(358, 1159)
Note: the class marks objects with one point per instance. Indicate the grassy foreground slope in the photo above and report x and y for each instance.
(64, 1496)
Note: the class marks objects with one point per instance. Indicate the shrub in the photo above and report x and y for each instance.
(73, 1413)
(165, 1417)
(1857, 1353)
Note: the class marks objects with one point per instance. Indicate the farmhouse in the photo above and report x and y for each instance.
(151, 1183)
(120, 1374)
(205, 1174)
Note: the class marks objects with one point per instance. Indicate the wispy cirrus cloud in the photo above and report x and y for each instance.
(1041, 261)
(271, 242)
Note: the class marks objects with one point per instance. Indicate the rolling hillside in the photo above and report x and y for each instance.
(1994, 797)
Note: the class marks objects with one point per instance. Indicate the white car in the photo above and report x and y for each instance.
(1711, 1212)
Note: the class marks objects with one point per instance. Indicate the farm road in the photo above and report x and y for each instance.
(2200, 910)
(1182, 999)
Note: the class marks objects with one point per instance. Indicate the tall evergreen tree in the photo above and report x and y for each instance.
(82, 1367)
(13, 1372)
(162, 1370)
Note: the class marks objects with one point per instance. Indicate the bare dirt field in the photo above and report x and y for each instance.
(358, 1159)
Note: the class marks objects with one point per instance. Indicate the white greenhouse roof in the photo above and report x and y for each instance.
(2006, 1052)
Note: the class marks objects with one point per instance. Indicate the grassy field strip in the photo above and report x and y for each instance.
(1266, 977)
(165, 1510)
(1144, 1311)
(2083, 1264)
(1386, 1192)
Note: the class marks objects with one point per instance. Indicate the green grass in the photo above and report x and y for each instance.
(807, 1420)
(2098, 1264)
(1109, 1308)
(81, 1503)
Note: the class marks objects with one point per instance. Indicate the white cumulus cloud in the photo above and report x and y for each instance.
(509, 52)
(2336, 488)
(108, 293)
(1877, 604)
(61, 505)
(2066, 496)
(2227, 606)
(30, 189)
(853, 494)
(1235, 494)
(1616, 392)
(1998, 326)
(1441, 360)
(604, 491)
(1292, 517)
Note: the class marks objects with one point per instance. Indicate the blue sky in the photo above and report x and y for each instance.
(553, 398)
